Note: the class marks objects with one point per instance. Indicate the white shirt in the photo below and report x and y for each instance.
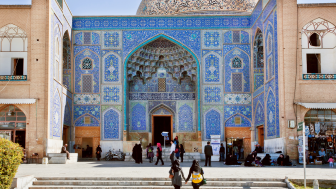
(172, 148)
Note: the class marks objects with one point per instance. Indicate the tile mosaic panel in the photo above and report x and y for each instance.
(111, 124)
(86, 98)
(212, 94)
(212, 68)
(138, 116)
(80, 122)
(107, 23)
(111, 68)
(79, 38)
(231, 110)
(236, 36)
(95, 38)
(185, 117)
(231, 122)
(81, 110)
(162, 96)
(154, 104)
(67, 112)
(259, 118)
(87, 38)
(213, 123)
(211, 39)
(258, 80)
(271, 114)
(228, 37)
(162, 111)
(112, 39)
(237, 82)
(204, 52)
(237, 98)
(111, 94)
(57, 115)
(104, 52)
(245, 37)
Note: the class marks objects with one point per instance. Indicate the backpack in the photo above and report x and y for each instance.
(150, 150)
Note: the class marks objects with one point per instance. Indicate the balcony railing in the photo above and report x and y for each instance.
(316, 76)
(13, 78)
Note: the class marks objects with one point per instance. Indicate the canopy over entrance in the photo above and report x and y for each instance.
(317, 105)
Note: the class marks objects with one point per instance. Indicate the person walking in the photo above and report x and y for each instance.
(159, 154)
(150, 152)
(177, 173)
(172, 152)
(197, 175)
(222, 152)
(208, 153)
(177, 152)
(98, 152)
(176, 141)
(181, 152)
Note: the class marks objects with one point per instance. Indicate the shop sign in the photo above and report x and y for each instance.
(317, 127)
(300, 126)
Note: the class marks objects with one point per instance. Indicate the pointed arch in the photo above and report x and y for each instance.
(181, 45)
(271, 113)
(213, 69)
(160, 106)
(111, 124)
(112, 68)
(213, 121)
(244, 121)
(260, 113)
(56, 125)
(236, 115)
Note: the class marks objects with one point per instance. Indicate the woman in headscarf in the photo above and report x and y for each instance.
(98, 152)
(159, 154)
(181, 152)
(266, 160)
(150, 152)
(249, 159)
(177, 173)
(139, 153)
(134, 153)
(197, 175)
(281, 160)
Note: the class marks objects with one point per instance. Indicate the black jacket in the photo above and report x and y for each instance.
(222, 149)
(208, 150)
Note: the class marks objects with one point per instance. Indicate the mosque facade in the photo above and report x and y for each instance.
(194, 69)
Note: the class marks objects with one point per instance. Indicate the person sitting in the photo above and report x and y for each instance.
(267, 160)
(322, 153)
(281, 160)
(258, 162)
(64, 150)
(248, 161)
(258, 149)
(287, 161)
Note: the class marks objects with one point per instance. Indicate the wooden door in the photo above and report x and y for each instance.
(261, 136)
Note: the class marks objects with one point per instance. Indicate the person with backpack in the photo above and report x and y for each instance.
(177, 152)
(150, 152)
(159, 154)
(182, 151)
(176, 141)
(176, 174)
(197, 175)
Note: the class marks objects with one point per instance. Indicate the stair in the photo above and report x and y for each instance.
(187, 157)
(150, 183)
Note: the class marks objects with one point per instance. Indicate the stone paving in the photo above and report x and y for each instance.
(130, 169)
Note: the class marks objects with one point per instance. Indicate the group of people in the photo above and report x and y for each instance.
(195, 171)
(176, 150)
(253, 160)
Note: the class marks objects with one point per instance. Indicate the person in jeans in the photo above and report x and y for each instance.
(172, 152)
(177, 172)
(222, 152)
(208, 153)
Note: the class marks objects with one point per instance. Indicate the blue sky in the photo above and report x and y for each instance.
(114, 7)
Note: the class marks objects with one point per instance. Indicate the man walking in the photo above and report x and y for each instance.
(64, 150)
(172, 151)
(208, 153)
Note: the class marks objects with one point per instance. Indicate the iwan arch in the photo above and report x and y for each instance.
(199, 71)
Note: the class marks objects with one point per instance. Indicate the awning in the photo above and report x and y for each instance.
(17, 101)
(317, 105)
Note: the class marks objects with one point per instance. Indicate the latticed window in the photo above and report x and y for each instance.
(87, 84)
(162, 84)
(236, 36)
(258, 50)
(87, 64)
(237, 82)
(236, 63)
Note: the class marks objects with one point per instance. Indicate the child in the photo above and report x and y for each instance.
(258, 162)
(331, 162)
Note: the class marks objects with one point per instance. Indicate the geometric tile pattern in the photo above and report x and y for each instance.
(236, 37)
(95, 39)
(258, 80)
(111, 94)
(162, 111)
(56, 116)
(82, 111)
(86, 98)
(112, 40)
(154, 104)
(204, 52)
(79, 38)
(236, 63)
(245, 37)
(237, 82)
(111, 124)
(228, 37)
(271, 112)
(162, 96)
(212, 94)
(138, 117)
(211, 39)
(87, 83)
(111, 68)
(213, 124)
(212, 68)
(259, 118)
(314, 76)
(232, 110)
(231, 122)
(237, 99)
(185, 117)
(87, 38)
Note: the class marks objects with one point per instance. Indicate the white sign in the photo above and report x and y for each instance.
(215, 143)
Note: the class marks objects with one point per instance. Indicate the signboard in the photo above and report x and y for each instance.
(215, 143)
(300, 126)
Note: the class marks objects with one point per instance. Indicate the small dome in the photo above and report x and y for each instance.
(195, 7)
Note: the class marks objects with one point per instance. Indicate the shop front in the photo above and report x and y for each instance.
(321, 136)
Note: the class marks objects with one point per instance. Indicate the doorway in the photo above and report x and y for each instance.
(87, 144)
(65, 134)
(235, 146)
(159, 125)
(261, 136)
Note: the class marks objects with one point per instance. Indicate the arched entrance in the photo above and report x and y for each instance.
(13, 125)
(162, 120)
(161, 70)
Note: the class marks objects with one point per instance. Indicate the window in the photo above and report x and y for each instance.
(17, 66)
(162, 84)
(313, 63)
(87, 38)
(326, 119)
(87, 120)
(236, 36)
(314, 40)
(87, 64)
(258, 50)
(87, 83)
(237, 120)
(237, 82)
(236, 63)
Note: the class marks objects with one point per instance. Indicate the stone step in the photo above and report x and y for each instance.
(154, 179)
(155, 183)
(145, 187)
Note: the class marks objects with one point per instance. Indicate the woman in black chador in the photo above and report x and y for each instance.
(98, 152)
